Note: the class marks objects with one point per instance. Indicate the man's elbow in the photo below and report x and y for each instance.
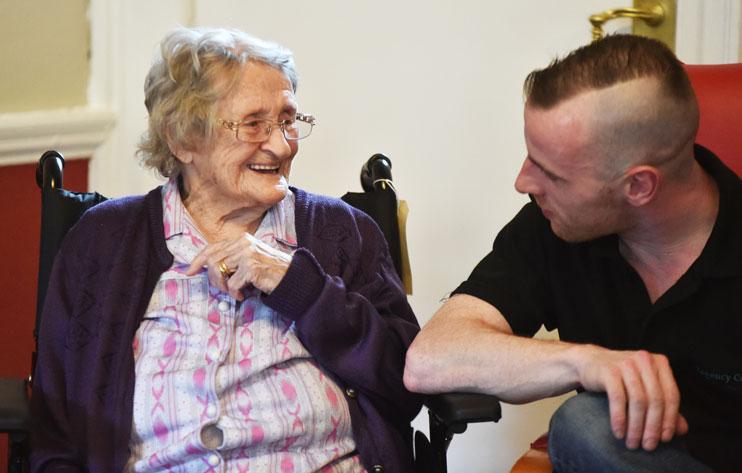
(419, 372)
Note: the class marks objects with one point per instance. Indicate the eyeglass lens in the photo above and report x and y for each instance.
(260, 130)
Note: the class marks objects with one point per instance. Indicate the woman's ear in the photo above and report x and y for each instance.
(185, 156)
(641, 184)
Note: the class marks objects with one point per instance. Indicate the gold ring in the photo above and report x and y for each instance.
(224, 269)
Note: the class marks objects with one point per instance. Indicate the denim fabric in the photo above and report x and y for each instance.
(581, 440)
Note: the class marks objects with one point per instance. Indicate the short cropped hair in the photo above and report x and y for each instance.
(197, 67)
(606, 62)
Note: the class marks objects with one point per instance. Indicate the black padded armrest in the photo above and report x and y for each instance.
(13, 405)
(463, 408)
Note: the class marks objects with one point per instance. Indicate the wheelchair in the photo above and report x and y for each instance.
(449, 414)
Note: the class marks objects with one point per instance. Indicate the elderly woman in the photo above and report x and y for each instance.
(225, 321)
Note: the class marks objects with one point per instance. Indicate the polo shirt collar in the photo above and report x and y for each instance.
(722, 255)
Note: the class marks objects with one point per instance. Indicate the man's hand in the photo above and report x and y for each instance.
(643, 396)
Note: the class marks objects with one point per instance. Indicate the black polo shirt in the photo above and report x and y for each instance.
(592, 295)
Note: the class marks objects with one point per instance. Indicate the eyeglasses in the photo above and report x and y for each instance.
(258, 131)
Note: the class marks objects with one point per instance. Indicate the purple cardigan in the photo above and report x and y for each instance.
(341, 289)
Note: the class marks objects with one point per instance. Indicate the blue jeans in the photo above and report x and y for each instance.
(581, 440)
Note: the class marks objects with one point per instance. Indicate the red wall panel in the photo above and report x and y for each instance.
(20, 207)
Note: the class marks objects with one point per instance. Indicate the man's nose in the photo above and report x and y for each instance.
(525, 182)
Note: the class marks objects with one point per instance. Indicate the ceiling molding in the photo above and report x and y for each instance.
(76, 133)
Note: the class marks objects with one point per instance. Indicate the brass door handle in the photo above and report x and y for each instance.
(652, 16)
(656, 20)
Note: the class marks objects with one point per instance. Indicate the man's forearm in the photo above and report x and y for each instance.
(460, 351)
(469, 346)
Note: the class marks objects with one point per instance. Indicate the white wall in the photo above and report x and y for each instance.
(39, 37)
(436, 85)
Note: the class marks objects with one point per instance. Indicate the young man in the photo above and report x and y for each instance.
(632, 248)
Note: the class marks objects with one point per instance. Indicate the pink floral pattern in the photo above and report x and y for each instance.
(224, 386)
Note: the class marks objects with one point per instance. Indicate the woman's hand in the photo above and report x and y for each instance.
(249, 260)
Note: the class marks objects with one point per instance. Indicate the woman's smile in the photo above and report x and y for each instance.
(264, 168)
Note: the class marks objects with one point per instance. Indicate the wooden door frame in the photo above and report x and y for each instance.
(708, 32)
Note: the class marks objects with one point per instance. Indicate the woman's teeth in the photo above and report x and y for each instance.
(263, 167)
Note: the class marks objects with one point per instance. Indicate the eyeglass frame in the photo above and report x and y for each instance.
(302, 117)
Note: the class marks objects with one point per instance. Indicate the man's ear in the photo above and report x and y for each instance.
(641, 184)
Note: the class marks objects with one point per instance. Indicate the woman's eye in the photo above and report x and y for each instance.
(251, 124)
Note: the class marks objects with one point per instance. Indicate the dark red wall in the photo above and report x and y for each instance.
(20, 207)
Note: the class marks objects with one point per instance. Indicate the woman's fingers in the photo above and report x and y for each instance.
(206, 257)
(235, 283)
(232, 265)
(213, 258)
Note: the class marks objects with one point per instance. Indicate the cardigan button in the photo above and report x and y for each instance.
(377, 469)
(351, 393)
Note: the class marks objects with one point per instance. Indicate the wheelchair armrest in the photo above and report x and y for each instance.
(14, 406)
(450, 414)
(463, 408)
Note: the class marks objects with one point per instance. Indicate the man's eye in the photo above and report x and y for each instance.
(550, 176)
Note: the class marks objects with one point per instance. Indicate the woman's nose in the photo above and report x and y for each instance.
(277, 143)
